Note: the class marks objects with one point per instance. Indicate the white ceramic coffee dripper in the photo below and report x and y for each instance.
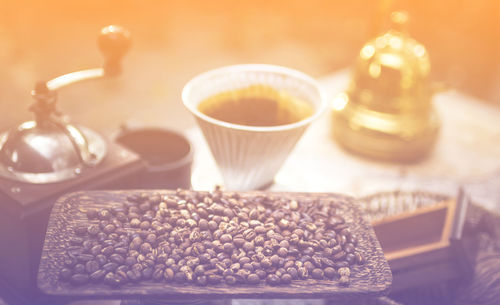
(248, 157)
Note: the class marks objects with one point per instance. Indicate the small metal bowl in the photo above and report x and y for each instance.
(167, 156)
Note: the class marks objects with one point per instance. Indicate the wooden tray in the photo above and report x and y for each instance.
(368, 280)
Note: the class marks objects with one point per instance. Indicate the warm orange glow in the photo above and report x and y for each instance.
(174, 40)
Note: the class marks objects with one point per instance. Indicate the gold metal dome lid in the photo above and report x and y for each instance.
(387, 111)
(50, 148)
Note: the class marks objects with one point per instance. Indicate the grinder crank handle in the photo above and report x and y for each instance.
(113, 42)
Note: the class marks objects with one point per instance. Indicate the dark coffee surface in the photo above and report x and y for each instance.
(256, 105)
(156, 146)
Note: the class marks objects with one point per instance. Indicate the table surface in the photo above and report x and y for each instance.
(466, 154)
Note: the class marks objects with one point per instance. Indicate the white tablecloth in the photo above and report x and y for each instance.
(467, 154)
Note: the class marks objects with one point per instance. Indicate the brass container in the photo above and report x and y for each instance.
(387, 112)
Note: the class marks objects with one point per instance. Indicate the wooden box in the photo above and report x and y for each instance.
(425, 246)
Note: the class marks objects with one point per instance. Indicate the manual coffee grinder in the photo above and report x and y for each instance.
(42, 159)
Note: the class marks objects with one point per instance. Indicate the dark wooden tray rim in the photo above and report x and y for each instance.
(369, 280)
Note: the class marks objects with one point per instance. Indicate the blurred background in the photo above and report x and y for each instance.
(175, 40)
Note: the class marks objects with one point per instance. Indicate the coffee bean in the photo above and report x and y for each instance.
(203, 224)
(91, 266)
(147, 273)
(303, 272)
(121, 251)
(135, 222)
(65, 274)
(283, 224)
(341, 264)
(350, 258)
(339, 255)
(230, 280)
(349, 248)
(253, 279)
(341, 239)
(101, 237)
(248, 246)
(228, 247)
(226, 238)
(284, 244)
(210, 238)
(201, 280)
(344, 271)
(97, 275)
(109, 228)
(239, 242)
(249, 234)
(327, 262)
(111, 279)
(79, 279)
(317, 261)
(249, 267)
(214, 279)
(336, 249)
(85, 257)
(144, 206)
(120, 216)
(212, 225)
(145, 225)
(286, 278)
(228, 213)
(292, 271)
(95, 250)
(309, 266)
(317, 274)
(169, 274)
(145, 248)
(334, 221)
(158, 274)
(275, 260)
(253, 214)
(273, 280)
(79, 268)
(108, 242)
(283, 252)
(107, 251)
(199, 270)
(242, 275)
(134, 275)
(117, 259)
(259, 240)
(260, 229)
(100, 259)
(330, 272)
(344, 280)
(129, 260)
(261, 273)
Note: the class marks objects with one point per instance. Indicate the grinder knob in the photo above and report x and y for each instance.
(114, 42)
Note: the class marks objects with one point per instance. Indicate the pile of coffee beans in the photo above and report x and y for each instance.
(210, 238)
